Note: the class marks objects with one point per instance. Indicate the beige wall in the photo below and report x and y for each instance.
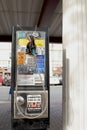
(75, 43)
(5, 54)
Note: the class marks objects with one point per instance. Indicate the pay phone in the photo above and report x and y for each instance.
(30, 108)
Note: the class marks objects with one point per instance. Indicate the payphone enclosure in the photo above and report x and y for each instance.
(30, 107)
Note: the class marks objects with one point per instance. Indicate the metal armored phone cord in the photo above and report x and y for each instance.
(45, 100)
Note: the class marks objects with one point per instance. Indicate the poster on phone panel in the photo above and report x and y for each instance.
(30, 57)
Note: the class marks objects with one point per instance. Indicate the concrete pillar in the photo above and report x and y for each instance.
(75, 44)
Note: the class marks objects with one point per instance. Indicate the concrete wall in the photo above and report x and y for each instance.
(4, 93)
(75, 44)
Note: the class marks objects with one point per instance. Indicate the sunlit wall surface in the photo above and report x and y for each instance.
(75, 43)
(5, 54)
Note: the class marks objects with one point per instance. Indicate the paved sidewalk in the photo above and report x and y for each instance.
(55, 111)
(5, 116)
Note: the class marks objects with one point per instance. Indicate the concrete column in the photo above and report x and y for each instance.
(75, 44)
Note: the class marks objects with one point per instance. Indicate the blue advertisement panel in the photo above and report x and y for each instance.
(40, 66)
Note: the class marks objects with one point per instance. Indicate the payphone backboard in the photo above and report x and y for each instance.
(30, 78)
